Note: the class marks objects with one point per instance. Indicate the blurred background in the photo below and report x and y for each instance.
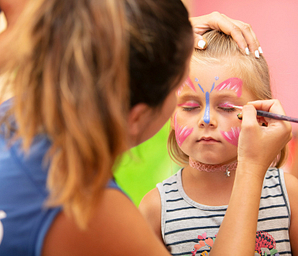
(276, 25)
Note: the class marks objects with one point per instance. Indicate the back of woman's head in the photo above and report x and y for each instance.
(161, 42)
(70, 81)
(69, 76)
(254, 72)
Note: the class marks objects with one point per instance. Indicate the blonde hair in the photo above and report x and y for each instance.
(254, 73)
(68, 66)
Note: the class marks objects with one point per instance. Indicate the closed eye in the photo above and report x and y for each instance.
(188, 109)
(227, 109)
(189, 106)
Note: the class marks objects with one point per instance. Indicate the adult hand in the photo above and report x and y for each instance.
(241, 32)
(259, 145)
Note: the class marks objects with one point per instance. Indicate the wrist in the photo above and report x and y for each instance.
(251, 172)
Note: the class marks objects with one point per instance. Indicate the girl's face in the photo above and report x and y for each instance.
(205, 128)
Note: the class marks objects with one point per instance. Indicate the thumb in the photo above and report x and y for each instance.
(249, 114)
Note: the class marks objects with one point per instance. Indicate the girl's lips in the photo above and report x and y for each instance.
(207, 140)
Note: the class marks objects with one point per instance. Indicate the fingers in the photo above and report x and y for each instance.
(275, 126)
(268, 105)
(241, 32)
(248, 35)
(262, 144)
(249, 116)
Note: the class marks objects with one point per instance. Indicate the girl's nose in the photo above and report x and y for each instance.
(206, 117)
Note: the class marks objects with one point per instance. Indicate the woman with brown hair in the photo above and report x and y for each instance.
(70, 119)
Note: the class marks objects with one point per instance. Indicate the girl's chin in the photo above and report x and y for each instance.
(214, 162)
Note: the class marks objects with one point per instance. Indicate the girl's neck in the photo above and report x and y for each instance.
(227, 168)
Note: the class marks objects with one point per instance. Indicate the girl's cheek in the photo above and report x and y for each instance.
(232, 135)
(181, 132)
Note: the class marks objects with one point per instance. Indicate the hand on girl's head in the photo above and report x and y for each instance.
(241, 32)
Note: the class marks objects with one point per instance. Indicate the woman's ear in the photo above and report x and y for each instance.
(137, 119)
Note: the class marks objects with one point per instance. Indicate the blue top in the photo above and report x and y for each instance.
(24, 219)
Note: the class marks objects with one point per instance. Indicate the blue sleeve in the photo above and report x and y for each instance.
(113, 185)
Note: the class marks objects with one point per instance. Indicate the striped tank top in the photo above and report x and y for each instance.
(190, 228)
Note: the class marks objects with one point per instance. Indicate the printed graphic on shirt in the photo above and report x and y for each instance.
(205, 243)
(265, 245)
(2, 216)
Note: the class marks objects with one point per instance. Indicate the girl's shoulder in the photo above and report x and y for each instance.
(172, 180)
(292, 190)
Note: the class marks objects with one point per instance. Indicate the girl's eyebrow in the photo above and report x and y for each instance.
(188, 104)
(188, 97)
(188, 94)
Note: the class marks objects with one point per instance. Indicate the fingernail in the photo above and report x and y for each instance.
(247, 51)
(260, 49)
(257, 54)
(239, 116)
(201, 44)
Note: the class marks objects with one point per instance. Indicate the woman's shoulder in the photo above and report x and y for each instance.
(115, 226)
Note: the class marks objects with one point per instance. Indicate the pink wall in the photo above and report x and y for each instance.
(276, 25)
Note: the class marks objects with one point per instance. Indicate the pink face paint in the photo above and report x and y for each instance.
(181, 132)
(187, 82)
(226, 105)
(232, 135)
(233, 83)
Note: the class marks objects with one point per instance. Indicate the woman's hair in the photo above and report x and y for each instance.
(223, 50)
(70, 81)
(161, 42)
(79, 64)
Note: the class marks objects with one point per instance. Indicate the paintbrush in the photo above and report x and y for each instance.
(267, 114)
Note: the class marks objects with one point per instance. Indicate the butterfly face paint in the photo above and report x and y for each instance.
(188, 83)
(206, 117)
(181, 132)
(234, 84)
(232, 135)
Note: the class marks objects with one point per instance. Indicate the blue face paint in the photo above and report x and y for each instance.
(201, 88)
(212, 87)
(206, 117)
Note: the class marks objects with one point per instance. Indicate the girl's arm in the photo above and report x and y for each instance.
(116, 229)
(150, 207)
(258, 146)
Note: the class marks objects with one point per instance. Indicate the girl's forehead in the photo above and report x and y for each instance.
(206, 75)
(215, 85)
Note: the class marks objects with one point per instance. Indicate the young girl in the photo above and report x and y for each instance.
(187, 209)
